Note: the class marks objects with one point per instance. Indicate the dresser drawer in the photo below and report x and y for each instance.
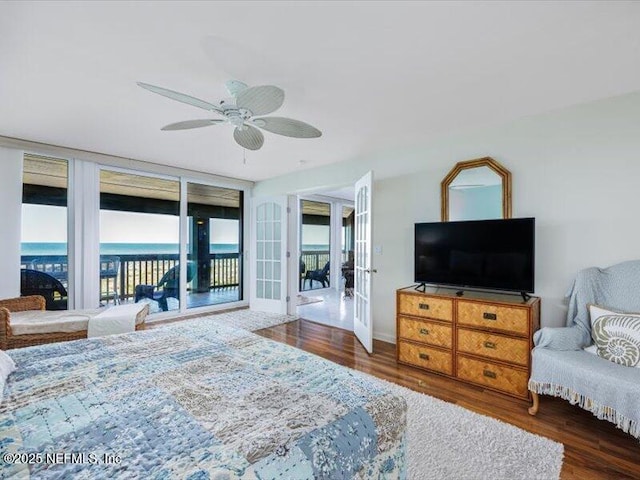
(508, 319)
(506, 379)
(425, 357)
(496, 346)
(425, 332)
(423, 306)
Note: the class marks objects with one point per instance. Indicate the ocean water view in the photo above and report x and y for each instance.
(60, 249)
(48, 248)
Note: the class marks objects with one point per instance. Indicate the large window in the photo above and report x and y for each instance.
(315, 248)
(215, 233)
(127, 250)
(139, 240)
(44, 254)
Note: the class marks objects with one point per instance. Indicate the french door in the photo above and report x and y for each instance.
(362, 324)
(268, 292)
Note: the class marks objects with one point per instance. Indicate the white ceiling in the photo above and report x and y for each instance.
(371, 76)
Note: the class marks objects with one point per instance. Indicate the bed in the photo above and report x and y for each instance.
(197, 399)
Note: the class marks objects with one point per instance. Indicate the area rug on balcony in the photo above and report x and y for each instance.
(303, 300)
(447, 441)
(250, 319)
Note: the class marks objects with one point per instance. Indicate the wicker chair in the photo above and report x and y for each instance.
(57, 267)
(37, 302)
(35, 282)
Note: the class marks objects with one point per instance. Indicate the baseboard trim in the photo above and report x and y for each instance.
(385, 337)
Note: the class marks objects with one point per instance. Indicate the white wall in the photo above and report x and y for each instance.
(576, 170)
(11, 202)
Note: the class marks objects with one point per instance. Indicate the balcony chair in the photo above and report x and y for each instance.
(319, 276)
(54, 266)
(35, 282)
(109, 269)
(168, 286)
(348, 274)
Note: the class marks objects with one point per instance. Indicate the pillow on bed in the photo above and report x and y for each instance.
(616, 335)
(6, 367)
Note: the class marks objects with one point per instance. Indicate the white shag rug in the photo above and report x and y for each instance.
(446, 441)
(250, 319)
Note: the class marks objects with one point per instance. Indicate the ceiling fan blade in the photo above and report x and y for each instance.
(235, 86)
(248, 137)
(180, 97)
(287, 127)
(192, 124)
(260, 100)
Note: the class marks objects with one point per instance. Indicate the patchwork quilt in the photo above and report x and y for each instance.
(196, 400)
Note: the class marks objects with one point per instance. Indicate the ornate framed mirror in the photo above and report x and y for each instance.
(477, 189)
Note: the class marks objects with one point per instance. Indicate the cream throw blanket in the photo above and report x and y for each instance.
(114, 320)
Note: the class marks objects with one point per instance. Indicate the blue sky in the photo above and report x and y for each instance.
(45, 223)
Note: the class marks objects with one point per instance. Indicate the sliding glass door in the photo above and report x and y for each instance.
(139, 240)
(126, 230)
(214, 268)
(44, 248)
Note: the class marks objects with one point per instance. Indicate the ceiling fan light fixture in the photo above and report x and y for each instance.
(244, 104)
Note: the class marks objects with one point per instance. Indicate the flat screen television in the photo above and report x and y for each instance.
(491, 254)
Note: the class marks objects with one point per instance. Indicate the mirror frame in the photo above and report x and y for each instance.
(505, 175)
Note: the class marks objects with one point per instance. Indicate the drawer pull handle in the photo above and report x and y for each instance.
(489, 345)
(489, 316)
(424, 356)
(423, 306)
(489, 373)
(424, 331)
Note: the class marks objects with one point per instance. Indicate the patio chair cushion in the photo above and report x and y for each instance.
(36, 322)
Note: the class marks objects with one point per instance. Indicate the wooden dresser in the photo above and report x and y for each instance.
(480, 338)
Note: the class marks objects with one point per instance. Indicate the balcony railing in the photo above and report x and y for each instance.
(148, 269)
(141, 269)
(315, 260)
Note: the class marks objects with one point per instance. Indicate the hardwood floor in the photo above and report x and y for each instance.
(594, 449)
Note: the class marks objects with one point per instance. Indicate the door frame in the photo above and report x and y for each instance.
(294, 235)
(335, 235)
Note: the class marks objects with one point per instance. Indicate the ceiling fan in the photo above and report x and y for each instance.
(240, 110)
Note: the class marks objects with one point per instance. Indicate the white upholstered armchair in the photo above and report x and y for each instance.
(562, 367)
